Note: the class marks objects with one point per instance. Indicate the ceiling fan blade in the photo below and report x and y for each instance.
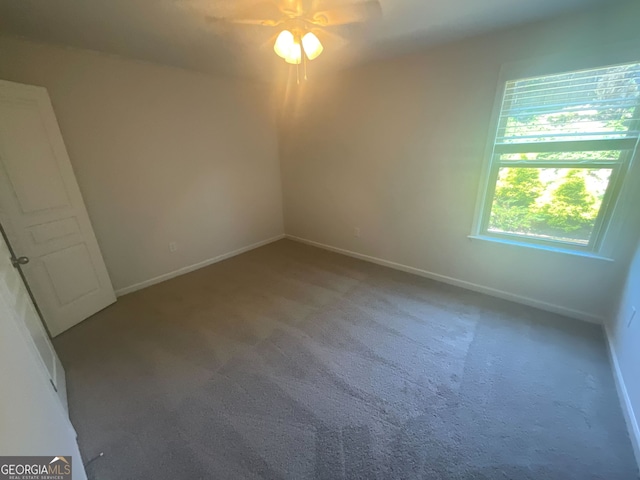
(266, 13)
(350, 13)
(244, 21)
(335, 41)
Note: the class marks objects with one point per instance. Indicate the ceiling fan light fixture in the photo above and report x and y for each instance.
(312, 46)
(284, 44)
(294, 56)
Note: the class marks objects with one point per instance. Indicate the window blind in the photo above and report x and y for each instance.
(583, 106)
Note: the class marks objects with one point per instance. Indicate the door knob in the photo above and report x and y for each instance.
(19, 261)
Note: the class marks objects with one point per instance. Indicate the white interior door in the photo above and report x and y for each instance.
(20, 309)
(43, 213)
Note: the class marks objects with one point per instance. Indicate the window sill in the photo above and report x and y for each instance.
(547, 248)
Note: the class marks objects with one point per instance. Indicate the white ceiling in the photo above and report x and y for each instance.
(175, 32)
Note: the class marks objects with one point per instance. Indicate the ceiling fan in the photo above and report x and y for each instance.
(300, 20)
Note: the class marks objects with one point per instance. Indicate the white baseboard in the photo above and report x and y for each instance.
(532, 302)
(625, 401)
(195, 266)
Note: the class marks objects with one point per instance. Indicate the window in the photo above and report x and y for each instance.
(562, 147)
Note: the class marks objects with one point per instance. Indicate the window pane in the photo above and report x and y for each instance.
(592, 156)
(559, 204)
(589, 104)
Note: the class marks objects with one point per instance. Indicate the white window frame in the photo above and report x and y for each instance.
(612, 209)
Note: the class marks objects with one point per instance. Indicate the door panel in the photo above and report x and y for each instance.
(43, 212)
(71, 273)
(55, 230)
(28, 154)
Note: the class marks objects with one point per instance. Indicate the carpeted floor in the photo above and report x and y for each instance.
(289, 362)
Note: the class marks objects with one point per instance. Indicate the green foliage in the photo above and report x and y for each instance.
(521, 187)
(571, 207)
(520, 205)
(514, 198)
(511, 219)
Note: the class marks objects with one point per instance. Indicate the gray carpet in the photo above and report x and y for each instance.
(289, 362)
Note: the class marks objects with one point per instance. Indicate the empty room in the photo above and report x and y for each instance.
(320, 239)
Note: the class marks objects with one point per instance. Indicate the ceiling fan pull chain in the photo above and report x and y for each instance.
(304, 60)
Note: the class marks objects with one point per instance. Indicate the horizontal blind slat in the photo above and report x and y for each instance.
(574, 106)
(568, 146)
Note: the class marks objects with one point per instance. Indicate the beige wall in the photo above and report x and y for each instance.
(624, 338)
(396, 148)
(161, 155)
